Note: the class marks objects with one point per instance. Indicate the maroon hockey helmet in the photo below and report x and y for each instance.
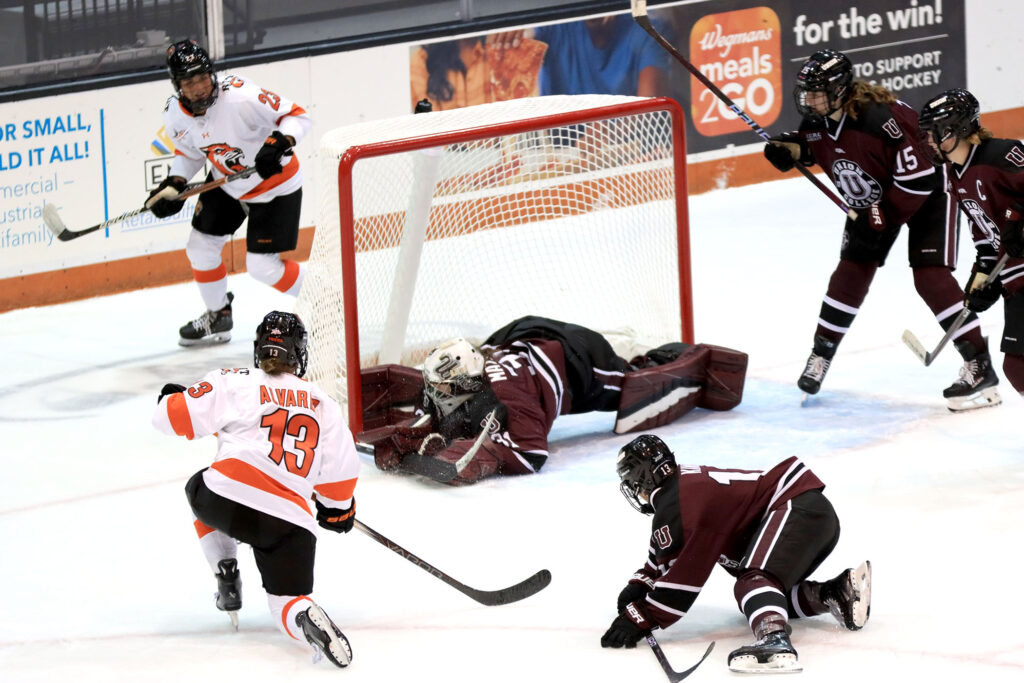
(283, 336)
(186, 59)
(954, 113)
(643, 465)
(827, 71)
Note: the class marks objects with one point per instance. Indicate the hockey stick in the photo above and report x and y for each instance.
(441, 470)
(639, 8)
(911, 340)
(673, 675)
(53, 220)
(503, 596)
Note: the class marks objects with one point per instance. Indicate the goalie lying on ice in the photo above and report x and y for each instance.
(475, 412)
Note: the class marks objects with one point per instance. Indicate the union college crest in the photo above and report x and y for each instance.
(858, 188)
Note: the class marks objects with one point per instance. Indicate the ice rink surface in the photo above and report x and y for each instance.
(103, 579)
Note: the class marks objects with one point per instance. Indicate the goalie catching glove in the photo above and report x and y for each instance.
(394, 442)
(340, 521)
(162, 202)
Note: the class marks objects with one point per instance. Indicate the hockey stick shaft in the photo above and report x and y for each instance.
(672, 674)
(911, 340)
(519, 591)
(639, 8)
(64, 234)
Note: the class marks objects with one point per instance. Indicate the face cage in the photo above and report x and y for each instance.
(204, 104)
(833, 99)
(632, 494)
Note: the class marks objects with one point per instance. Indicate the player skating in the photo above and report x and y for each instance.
(231, 123)
(770, 529)
(281, 442)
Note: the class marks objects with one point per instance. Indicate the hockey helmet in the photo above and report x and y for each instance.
(954, 113)
(643, 465)
(827, 71)
(281, 336)
(452, 373)
(186, 59)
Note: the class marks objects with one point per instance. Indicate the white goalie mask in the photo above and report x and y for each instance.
(452, 373)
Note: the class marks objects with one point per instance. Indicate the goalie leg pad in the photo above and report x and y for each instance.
(390, 394)
(726, 372)
(653, 397)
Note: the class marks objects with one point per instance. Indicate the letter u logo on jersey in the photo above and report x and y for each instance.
(858, 188)
(663, 537)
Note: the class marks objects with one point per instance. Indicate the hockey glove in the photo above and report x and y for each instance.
(979, 296)
(628, 628)
(1013, 231)
(168, 390)
(334, 519)
(392, 442)
(268, 159)
(633, 592)
(785, 150)
(162, 202)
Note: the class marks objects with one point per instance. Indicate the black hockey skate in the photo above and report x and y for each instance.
(212, 327)
(773, 653)
(848, 596)
(324, 637)
(229, 589)
(976, 386)
(817, 365)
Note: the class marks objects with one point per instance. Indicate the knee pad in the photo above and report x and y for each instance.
(203, 251)
(266, 268)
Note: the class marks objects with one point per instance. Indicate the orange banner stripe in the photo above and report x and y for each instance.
(177, 413)
(245, 473)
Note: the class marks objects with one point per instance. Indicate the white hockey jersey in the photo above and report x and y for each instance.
(280, 441)
(230, 133)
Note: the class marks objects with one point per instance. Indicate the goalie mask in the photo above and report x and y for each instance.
(281, 336)
(953, 114)
(186, 59)
(643, 465)
(452, 373)
(826, 71)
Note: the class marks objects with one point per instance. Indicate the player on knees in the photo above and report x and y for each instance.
(987, 174)
(770, 529)
(868, 143)
(285, 463)
(231, 123)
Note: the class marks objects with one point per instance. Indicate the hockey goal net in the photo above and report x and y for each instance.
(455, 223)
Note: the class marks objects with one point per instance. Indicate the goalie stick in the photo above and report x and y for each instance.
(503, 596)
(56, 225)
(915, 345)
(441, 470)
(673, 675)
(639, 8)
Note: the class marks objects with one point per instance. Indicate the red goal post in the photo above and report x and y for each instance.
(454, 223)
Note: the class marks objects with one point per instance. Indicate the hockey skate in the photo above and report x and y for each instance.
(848, 596)
(771, 654)
(324, 637)
(212, 327)
(229, 589)
(976, 386)
(817, 365)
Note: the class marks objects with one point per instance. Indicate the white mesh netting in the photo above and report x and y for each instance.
(464, 220)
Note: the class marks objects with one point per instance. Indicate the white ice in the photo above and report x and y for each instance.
(103, 579)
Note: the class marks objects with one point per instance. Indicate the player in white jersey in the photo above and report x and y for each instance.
(281, 443)
(231, 124)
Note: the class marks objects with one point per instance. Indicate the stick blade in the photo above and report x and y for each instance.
(53, 221)
(432, 468)
(519, 591)
(915, 345)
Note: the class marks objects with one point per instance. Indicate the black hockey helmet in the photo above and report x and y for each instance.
(283, 336)
(954, 113)
(643, 465)
(827, 71)
(184, 60)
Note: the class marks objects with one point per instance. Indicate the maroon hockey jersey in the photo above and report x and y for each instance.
(876, 158)
(708, 515)
(986, 185)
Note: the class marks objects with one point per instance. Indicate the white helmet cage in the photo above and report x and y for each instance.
(452, 373)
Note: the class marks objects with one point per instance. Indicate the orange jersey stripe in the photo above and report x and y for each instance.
(201, 528)
(218, 273)
(338, 490)
(177, 413)
(291, 274)
(296, 110)
(290, 169)
(245, 473)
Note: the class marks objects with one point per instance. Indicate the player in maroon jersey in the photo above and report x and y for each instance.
(769, 529)
(488, 410)
(987, 177)
(867, 142)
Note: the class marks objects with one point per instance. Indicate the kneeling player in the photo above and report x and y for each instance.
(770, 529)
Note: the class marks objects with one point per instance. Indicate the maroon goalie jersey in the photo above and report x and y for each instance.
(987, 185)
(876, 158)
(708, 516)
